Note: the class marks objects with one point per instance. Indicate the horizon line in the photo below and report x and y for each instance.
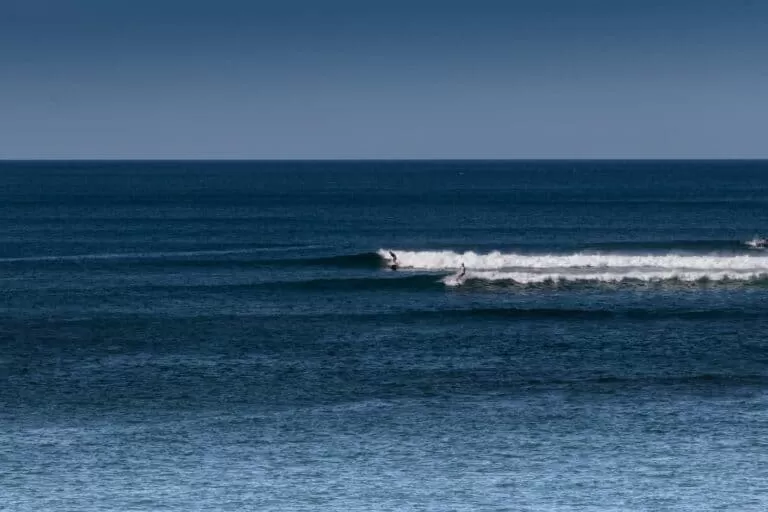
(393, 159)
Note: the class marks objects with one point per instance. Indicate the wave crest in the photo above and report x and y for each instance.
(449, 260)
(611, 277)
(587, 267)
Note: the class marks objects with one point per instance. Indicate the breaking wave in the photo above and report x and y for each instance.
(587, 267)
(636, 276)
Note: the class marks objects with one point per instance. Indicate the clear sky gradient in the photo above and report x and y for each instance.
(384, 79)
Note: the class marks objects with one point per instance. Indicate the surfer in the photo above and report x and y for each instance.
(393, 266)
(463, 271)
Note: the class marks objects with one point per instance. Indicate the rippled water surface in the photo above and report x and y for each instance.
(231, 336)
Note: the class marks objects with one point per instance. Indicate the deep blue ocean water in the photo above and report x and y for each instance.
(228, 336)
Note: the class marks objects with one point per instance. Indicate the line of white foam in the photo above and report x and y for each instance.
(608, 277)
(449, 260)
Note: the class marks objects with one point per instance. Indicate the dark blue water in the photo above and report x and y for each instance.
(228, 336)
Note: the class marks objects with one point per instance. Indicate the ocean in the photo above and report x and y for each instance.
(226, 336)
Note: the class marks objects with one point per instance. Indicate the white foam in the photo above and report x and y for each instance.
(595, 267)
(455, 280)
(757, 243)
(609, 277)
(449, 260)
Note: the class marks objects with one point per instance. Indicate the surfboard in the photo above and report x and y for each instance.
(455, 279)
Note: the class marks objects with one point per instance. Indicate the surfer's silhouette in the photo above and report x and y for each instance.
(393, 266)
(463, 271)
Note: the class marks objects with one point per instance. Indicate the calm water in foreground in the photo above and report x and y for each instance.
(228, 336)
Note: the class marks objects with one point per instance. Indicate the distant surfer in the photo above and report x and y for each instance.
(393, 266)
(463, 271)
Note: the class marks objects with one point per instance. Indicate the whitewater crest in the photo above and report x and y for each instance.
(582, 266)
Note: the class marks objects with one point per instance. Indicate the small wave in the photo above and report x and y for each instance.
(628, 277)
(449, 316)
(412, 283)
(225, 258)
(585, 314)
(157, 255)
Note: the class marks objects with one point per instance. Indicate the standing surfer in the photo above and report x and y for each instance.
(393, 266)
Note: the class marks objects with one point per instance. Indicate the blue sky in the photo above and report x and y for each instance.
(393, 79)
